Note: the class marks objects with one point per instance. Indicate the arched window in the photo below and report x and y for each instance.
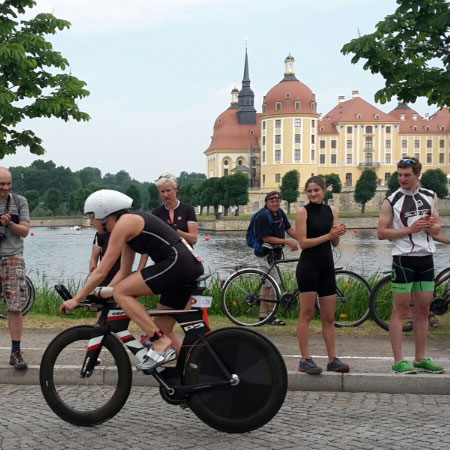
(298, 105)
(278, 106)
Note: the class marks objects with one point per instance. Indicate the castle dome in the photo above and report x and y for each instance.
(289, 96)
(229, 134)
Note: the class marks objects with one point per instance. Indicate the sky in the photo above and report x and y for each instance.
(160, 72)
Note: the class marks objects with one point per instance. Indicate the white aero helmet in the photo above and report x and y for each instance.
(105, 202)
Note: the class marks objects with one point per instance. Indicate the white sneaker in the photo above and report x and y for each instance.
(154, 359)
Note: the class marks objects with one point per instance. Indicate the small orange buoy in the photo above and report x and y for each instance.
(356, 231)
(32, 234)
(207, 238)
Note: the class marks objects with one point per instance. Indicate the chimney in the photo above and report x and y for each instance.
(341, 99)
(355, 94)
(427, 116)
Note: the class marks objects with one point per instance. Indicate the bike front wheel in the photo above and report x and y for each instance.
(243, 300)
(380, 305)
(257, 366)
(85, 401)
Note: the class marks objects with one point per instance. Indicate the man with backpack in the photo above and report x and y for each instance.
(269, 226)
(14, 226)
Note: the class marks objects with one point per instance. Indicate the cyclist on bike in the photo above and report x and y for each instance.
(175, 267)
(317, 228)
(409, 219)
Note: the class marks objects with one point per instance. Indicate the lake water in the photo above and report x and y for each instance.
(59, 255)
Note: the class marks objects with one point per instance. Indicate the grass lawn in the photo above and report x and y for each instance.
(35, 321)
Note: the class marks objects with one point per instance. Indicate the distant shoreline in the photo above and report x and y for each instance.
(210, 226)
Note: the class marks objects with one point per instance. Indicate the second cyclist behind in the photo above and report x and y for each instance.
(175, 267)
(317, 228)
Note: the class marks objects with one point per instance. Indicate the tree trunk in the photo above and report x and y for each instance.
(225, 210)
(363, 208)
(207, 210)
(201, 210)
(289, 208)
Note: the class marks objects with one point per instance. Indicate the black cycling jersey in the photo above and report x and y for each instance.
(156, 239)
(183, 214)
(175, 265)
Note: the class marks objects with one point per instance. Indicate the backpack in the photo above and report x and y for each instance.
(252, 241)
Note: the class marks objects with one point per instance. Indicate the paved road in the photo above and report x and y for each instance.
(307, 420)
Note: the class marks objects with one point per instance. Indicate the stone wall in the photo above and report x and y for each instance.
(242, 225)
(60, 221)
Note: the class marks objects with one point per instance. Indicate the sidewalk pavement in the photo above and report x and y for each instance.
(370, 360)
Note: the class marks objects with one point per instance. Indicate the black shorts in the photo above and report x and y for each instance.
(170, 278)
(412, 273)
(311, 278)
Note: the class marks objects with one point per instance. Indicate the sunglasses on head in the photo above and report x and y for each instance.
(275, 197)
(408, 161)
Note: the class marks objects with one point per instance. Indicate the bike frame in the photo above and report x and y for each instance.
(115, 320)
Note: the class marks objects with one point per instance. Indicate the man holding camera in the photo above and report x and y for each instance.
(14, 226)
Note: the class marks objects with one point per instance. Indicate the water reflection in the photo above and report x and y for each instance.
(57, 255)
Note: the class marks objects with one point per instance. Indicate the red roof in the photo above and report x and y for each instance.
(287, 93)
(412, 122)
(229, 134)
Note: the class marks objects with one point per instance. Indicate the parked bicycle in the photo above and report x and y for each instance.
(381, 300)
(30, 296)
(241, 294)
(233, 379)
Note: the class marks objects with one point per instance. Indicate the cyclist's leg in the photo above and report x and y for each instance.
(423, 289)
(327, 310)
(167, 323)
(307, 311)
(125, 293)
(267, 291)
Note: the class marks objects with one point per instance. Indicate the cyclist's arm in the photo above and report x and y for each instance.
(126, 265)
(435, 228)
(126, 228)
(191, 235)
(442, 238)
(94, 257)
(143, 261)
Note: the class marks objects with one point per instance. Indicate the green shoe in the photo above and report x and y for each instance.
(427, 366)
(403, 366)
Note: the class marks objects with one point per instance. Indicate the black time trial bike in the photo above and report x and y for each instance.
(234, 379)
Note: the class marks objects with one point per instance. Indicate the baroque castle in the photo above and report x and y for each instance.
(289, 134)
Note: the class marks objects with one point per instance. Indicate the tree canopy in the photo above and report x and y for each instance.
(365, 188)
(436, 180)
(32, 79)
(289, 187)
(410, 49)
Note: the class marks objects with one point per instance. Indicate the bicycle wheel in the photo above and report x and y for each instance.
(352, 304)
(241, 297)
(261, 389)
(84, 401)
(381, 304)
(30, 295)
(442, 283)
